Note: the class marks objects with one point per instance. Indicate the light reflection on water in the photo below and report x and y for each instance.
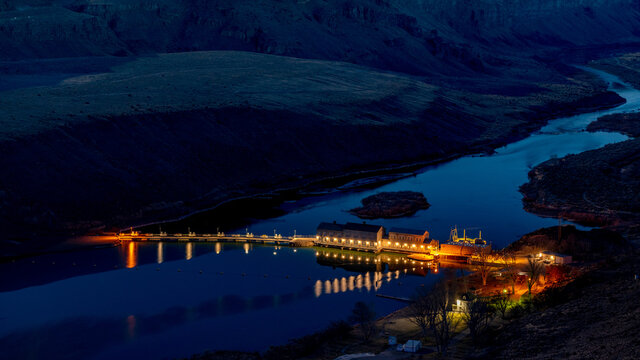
(169, 300)
(163, 293)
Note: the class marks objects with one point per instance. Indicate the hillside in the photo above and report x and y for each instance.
(115, 113)
(426, 37)
(164, 135)
(599, 186)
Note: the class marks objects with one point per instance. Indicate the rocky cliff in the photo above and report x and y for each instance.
(420, 37)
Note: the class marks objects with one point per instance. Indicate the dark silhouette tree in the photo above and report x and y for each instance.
(508, 260)
(483, 263)
(501, 304)
(364, 315)
(534, 270)
(421, 310)
(477, 315)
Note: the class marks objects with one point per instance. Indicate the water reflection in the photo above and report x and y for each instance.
(182, 287)
(54, 341)
(375, 268)
(160, 253)
(132, 255)
(189, 251)
(131, 326)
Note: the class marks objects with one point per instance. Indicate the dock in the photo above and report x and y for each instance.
(355, 237)
(297, 240)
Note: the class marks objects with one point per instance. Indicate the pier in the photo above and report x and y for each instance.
(296, 240)
(355, 237)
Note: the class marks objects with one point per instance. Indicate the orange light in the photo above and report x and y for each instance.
(132, 255)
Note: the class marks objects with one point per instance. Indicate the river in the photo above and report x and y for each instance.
(171, 300)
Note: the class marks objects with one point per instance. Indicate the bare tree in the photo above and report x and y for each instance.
(508, 260)
(534, 270)
(365, 316)
(482, 262)
(421, 309)
(442, 321)
(477, 315)
(501, 304)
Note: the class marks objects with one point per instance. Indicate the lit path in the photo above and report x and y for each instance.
(242, 238)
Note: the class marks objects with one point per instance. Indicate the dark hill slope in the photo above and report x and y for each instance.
(602, 185)
(165, 135)
(418, 37)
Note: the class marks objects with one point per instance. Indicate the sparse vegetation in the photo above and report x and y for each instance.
(510, 270)
(534, 270)
(476, 315)
(391, 205)
(364, 315)
(483, 263)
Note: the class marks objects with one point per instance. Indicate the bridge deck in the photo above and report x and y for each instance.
(263, 239)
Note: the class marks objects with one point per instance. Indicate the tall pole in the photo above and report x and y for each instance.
(559, 228)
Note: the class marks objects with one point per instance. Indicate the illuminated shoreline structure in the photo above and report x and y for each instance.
(366, 237)
(409, 241)
(461, 248)
(355, 236)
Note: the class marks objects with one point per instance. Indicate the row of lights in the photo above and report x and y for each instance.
(350, 241)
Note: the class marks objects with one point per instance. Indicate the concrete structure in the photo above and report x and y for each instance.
(408, 235)
(408, 240)
(459, 251)
(350, 236)
(372, 238)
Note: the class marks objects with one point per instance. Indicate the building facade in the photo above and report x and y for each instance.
(350, 235)
(409, 240)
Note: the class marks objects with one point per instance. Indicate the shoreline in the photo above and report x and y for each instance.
(334, 182)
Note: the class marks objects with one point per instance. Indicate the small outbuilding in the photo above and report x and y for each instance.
(412, 346)
(555, 258)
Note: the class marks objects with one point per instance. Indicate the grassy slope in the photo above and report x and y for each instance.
(164, 135)
(146, 138)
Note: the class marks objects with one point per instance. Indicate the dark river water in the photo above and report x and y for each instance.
(171, 300)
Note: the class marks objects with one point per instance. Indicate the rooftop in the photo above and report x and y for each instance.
(362, 227)
(330, 226)
(407, 231)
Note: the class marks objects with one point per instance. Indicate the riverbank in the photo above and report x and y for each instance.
(126, 156)
(598, 187)
(603, 265)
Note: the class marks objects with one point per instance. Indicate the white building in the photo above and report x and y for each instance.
(554, 258)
